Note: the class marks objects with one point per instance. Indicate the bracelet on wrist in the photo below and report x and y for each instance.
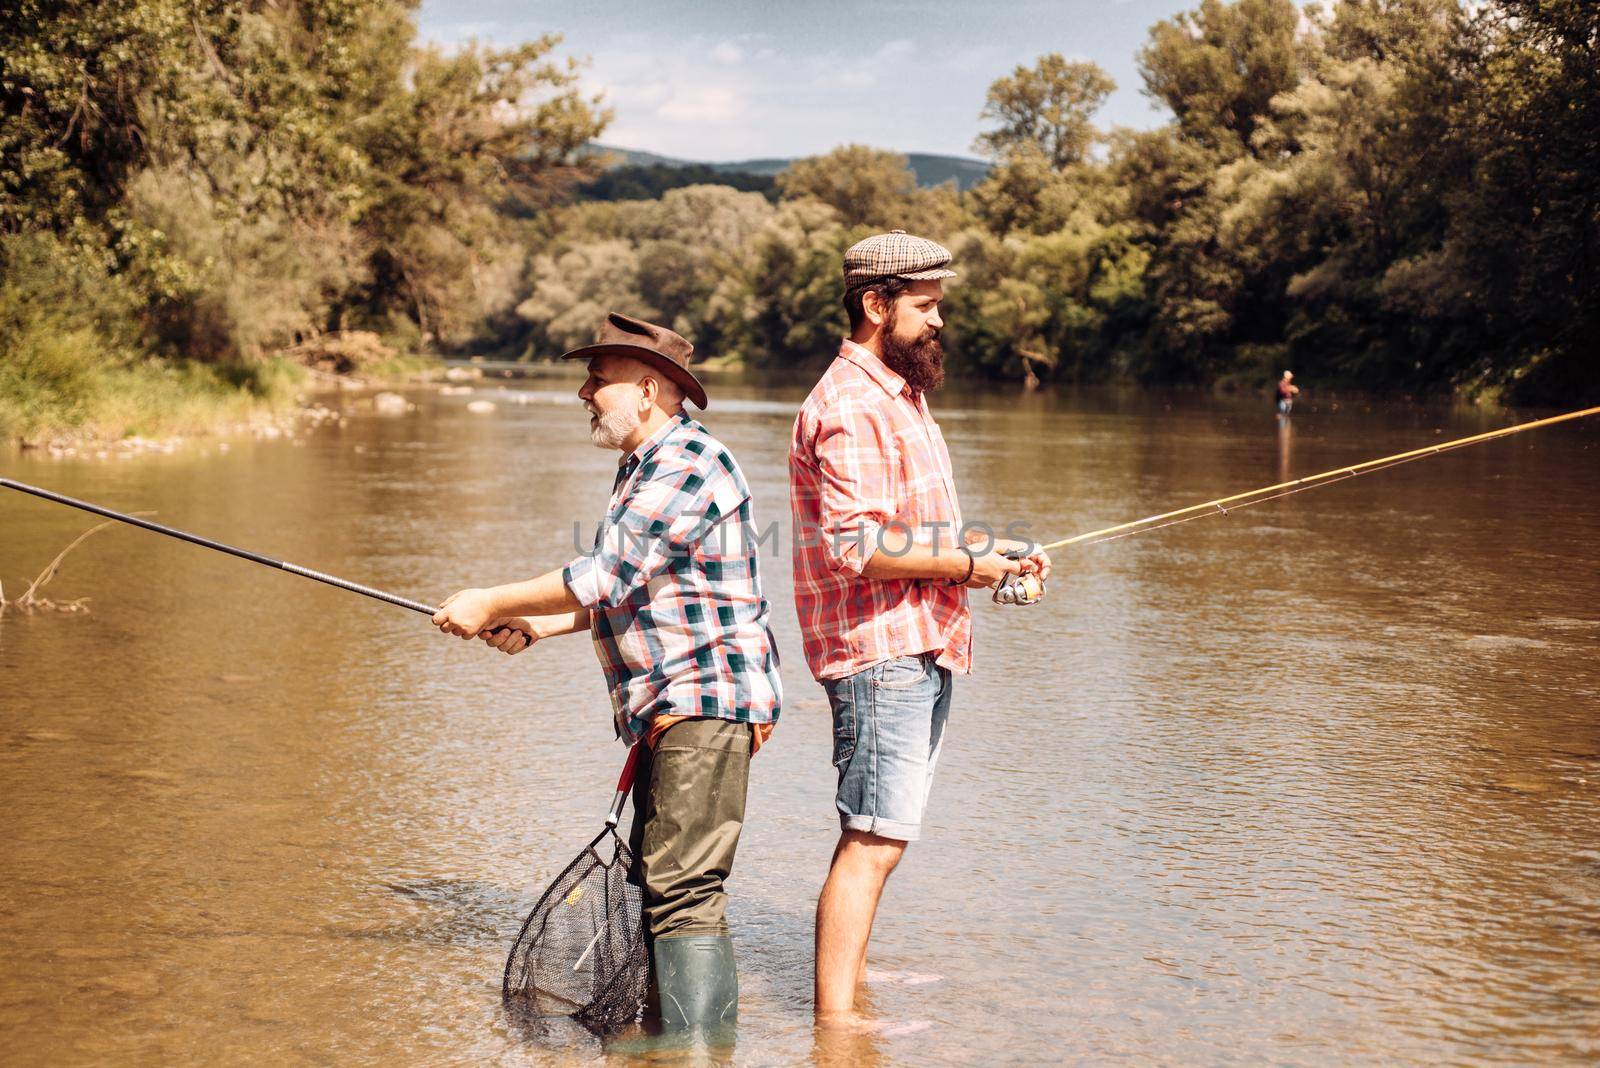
(972, 565)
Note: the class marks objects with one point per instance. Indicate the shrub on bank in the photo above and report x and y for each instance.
(71, 361)
(149, 397)
(61, 325)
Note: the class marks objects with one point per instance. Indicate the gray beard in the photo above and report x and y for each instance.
(613, 428)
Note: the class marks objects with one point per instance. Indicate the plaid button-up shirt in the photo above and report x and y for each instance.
(673, 590)
(866, 453)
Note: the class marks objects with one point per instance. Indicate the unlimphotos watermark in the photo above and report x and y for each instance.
(692, 533)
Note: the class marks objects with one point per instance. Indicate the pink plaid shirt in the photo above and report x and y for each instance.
(866, 453)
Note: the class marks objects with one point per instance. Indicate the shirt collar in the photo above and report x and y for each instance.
(651, 444)
(876, 369)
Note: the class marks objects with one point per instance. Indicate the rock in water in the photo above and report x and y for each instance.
(480, 407)
(389, 403)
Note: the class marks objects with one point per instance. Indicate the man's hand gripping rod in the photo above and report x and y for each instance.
(1019, 589)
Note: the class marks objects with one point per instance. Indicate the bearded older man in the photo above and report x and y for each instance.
(882, 564)
(671, 595)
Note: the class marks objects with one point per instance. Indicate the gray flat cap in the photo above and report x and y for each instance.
(895, 254)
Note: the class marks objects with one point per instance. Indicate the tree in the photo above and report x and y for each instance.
(576, 289)
(698, 239)
(1031, 306)
(1024, 192)
(1521, 251)
(1046, 108)
(866, 186)
(477, 134)
(75, 80)
(266, 170)
(789, 301)
(1219, 66)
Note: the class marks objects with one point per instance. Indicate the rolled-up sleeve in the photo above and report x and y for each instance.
(661, 520)
(580, 577)
(858, 463)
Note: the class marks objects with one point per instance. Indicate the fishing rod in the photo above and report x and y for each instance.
(1027, 589)
(232, 550)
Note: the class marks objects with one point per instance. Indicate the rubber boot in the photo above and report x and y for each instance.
(698, 985)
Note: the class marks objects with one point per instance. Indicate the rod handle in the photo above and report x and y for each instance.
(496, 632)
(624, 784)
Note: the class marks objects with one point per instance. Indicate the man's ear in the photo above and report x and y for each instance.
(875, 306)
(650, 389)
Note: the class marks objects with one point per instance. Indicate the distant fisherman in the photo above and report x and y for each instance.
(1287, 391)
(672, 597)
(881, 572)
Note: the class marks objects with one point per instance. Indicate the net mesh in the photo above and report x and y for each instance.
(581, 952)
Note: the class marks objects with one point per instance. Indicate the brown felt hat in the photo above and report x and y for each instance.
(668, 352)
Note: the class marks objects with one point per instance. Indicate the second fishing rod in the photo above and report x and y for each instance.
(1028, 589)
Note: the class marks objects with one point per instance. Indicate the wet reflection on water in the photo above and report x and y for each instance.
(1317, 781)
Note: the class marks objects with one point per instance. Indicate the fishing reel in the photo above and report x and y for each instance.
(1018, 589)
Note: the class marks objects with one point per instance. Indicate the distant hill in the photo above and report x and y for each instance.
(930, 169)
(647, 181)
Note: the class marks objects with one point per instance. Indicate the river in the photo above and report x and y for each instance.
(1315, 782)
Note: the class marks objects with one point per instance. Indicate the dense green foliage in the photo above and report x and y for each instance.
(1401, 194)
(1397, 194)
(213, 181)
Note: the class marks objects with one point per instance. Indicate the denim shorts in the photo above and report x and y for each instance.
(888, 722)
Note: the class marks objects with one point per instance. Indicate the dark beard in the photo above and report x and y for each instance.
(919, 362)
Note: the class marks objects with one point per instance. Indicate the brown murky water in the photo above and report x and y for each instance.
(1318, 782)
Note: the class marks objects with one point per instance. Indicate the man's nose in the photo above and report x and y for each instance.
(935, 321)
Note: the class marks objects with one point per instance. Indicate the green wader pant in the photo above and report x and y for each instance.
(688, 809)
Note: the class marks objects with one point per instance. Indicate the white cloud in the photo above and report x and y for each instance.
(692, 101)
(703, 104)
(725, 79)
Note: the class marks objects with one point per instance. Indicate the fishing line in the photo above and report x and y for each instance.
(1022, 590)
(1229, 511)
(1224, 505)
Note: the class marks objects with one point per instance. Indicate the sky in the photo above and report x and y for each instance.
(728, 80)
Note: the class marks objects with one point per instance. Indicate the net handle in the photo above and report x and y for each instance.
(624, 785)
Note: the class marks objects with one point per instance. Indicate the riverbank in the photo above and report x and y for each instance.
(70, 405)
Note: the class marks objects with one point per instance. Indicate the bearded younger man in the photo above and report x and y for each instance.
(882, 566)
(672, 598)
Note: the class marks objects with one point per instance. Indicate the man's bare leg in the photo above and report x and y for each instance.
(845, 909)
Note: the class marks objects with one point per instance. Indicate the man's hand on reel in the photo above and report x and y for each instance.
(1034, 560)
(1024, 586)
(990, 569)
